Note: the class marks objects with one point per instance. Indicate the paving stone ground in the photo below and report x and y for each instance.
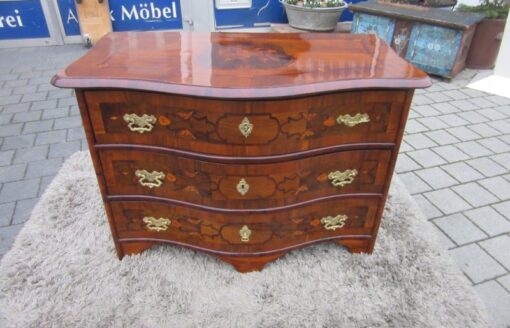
(455, 161)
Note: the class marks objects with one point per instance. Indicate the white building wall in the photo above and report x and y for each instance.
(503, 62)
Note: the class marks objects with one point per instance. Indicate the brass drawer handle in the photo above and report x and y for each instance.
(245, 127)
(351, 121)
(245, 234)
(340, 179)
(148, 179)
(140, 124)
(334, 222)
(154, 224)
(243, 187)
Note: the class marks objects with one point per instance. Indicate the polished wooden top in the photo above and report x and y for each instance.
(241, 65)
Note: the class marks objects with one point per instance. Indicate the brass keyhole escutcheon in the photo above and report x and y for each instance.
(243, 187)
(245, 234)
(245, 127)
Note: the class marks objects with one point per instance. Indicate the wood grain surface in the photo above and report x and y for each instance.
(279, 126)
(241, 65)
(271, 232)
(269, 185)
(295, 138)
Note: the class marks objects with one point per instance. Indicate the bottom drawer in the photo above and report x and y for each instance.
(235, 232)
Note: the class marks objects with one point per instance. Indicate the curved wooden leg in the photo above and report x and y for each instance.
(249, 263)
(356, 245)
(134, 248)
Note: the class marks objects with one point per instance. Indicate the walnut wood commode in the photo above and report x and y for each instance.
(244, 146)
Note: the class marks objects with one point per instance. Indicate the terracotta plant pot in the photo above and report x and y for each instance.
(313, 19)
(485, 45)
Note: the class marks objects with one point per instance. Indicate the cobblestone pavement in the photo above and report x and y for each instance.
(455, 160)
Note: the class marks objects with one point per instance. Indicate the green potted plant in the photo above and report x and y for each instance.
(314, 15)
(489, 32)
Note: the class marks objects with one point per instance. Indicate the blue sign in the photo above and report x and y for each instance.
(22, 20)
(261, 13)
(69, 17)
(129, 15)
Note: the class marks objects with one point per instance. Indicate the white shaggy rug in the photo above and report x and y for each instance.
(62, 271)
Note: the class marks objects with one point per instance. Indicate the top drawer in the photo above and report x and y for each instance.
(244, 128)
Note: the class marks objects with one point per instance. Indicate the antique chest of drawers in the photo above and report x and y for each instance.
(244, 146)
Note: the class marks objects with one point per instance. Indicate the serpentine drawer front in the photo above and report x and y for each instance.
(248, 186)
(252, 128)
(264, 232)
(244, 146)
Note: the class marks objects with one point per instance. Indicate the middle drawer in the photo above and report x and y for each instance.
(238, 186)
